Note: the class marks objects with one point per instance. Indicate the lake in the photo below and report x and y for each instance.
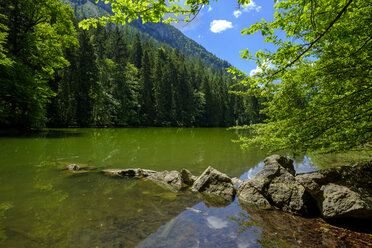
(43, 205)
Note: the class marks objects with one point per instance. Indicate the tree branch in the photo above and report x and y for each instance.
(316, 40)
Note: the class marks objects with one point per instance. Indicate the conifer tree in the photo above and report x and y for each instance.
(86, 81)
(147, 92)
(137, 52)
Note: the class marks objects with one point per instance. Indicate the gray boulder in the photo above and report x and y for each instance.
(276, 185)
(215, 183)
(341, 192)
(284, 162)
(173, 180)
(250, 193)
(169, 179)
(289, 195)
(187, 178)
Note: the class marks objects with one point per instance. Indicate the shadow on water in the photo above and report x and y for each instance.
(48, 134)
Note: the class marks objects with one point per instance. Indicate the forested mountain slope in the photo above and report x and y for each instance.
(53, 73)
(161, 32)
(117, 79)
(173, 37)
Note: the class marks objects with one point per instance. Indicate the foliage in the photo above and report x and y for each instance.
(147, 10)
(116, 78)
(4, 60)
(317, 83)
(31, 41)
(161, 32)
(318, 86)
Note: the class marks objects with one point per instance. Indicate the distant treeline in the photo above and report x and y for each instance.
(116, 80)
(116, 77)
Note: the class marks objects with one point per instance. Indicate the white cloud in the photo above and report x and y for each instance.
(266, 65)
(255, 71)
(209, 9)
(237, 13)
(199, 36)
(216, 223)
(252, 6)
(217, 26)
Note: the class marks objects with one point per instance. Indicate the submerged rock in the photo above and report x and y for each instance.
(172, 180)
(137, 173)
(341, 192)
(73, 167)
(280, 229)
(275, 185)
(215, 183)
(211, 200)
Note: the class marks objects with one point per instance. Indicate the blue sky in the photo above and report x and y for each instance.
(218, 26)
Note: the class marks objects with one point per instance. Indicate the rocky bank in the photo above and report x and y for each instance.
(337, 193)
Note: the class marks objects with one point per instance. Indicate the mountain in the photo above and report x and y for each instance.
(176, 39)
(161, 32)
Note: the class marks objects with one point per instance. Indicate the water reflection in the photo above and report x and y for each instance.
(152, 148)
(206, 227)
(237, 226)
(51, 207)
(240, 226)
(47, 133)
(216, 222)
(301, 164)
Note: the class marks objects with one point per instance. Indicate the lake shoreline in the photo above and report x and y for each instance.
(296, 196)
(42, 201)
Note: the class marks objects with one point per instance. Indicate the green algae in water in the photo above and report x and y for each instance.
(47, 206)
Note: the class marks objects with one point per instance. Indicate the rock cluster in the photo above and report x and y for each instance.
(275, 185)
(342, 192)
(215, 187)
